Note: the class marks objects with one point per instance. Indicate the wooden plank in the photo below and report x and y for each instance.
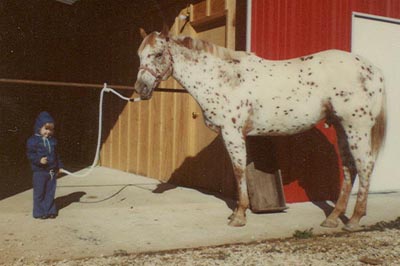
(134, 137)
(209, 151)
(215, 35)
(155, 151)
(217, 6)
(199, 11)
(182, 136)
(144, 140)
(115, 139)
(167, 136)
(105, 153)
(182, 133)
(128, 134)
(123, 137)
(209, 22)
(106, 133)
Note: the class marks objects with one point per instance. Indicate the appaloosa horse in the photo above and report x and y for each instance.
(243, 95)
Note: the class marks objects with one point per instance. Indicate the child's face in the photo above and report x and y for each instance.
(47, 130)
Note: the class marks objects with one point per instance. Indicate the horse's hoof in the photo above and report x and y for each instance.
(237, 221)
(330, 223)
(353, 227)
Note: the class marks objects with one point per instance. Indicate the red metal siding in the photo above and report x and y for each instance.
(286, 28)
(283, 29)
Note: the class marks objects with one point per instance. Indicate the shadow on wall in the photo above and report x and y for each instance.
(308, 163)
(87, 51)
(75, 112)
(210, 170)
(309, 167)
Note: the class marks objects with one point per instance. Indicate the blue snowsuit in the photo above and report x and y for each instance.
(44, 175)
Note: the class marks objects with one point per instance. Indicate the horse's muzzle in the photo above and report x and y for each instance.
(145, 97)
(144, 91)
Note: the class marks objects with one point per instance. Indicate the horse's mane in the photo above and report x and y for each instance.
(201, 45)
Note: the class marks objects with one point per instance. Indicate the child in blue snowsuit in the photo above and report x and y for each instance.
(45, 164)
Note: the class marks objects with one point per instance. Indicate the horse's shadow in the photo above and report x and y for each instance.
(163, 187)
(308, 159)
(65, 201)
(209, 172)
(327, 209)
(323, 205)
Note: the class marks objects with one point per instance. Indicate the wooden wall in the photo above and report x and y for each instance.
(96, 42)
(165, 137)
(88, 42)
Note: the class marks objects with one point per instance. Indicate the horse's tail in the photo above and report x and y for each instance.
(378, 131)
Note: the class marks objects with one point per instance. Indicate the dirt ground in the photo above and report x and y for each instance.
(116, 218)
(376, 245)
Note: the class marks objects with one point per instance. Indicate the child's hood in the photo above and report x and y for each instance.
(42, 119)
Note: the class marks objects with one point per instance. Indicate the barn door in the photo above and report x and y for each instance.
(165, 137)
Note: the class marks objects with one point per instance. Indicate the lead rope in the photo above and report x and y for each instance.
(96, 157)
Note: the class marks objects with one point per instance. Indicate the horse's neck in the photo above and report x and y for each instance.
(188, 70)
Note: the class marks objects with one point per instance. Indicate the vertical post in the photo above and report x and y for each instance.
(230, 7)
(248, 26)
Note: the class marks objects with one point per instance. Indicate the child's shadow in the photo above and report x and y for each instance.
(64, 201)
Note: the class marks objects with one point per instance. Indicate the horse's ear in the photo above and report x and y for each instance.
(143, 33)
(165, 31)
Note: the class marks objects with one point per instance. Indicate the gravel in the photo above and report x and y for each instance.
(376, 245)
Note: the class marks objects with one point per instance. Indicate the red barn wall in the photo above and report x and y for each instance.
(285, 29)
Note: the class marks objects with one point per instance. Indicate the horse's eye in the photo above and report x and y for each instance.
(158, 55)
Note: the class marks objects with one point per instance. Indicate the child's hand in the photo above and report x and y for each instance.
(43, 160)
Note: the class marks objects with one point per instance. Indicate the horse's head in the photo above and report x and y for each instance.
(155, 62)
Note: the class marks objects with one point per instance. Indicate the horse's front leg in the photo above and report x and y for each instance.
(236, 147)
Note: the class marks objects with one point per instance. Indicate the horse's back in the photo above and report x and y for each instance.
(304, 88)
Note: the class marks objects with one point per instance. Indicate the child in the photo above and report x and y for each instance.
(45, 164)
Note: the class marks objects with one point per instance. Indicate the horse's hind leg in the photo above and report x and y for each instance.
(341, 204)
(349, 172)
(360, 146)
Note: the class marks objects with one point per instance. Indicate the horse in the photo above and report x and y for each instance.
(242, 95)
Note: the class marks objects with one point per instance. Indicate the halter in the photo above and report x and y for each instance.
(159, 76)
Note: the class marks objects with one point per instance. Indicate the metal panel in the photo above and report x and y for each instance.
(286, 29)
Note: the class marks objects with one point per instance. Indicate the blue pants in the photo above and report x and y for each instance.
(44, 190)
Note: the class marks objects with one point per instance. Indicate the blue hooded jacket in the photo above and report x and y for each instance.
(38, 147)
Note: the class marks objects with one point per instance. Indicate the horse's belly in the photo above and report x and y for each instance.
(281, 128)
(286, 122)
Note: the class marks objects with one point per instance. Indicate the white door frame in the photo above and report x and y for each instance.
(378, 39)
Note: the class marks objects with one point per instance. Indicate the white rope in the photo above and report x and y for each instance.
(96, 157)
